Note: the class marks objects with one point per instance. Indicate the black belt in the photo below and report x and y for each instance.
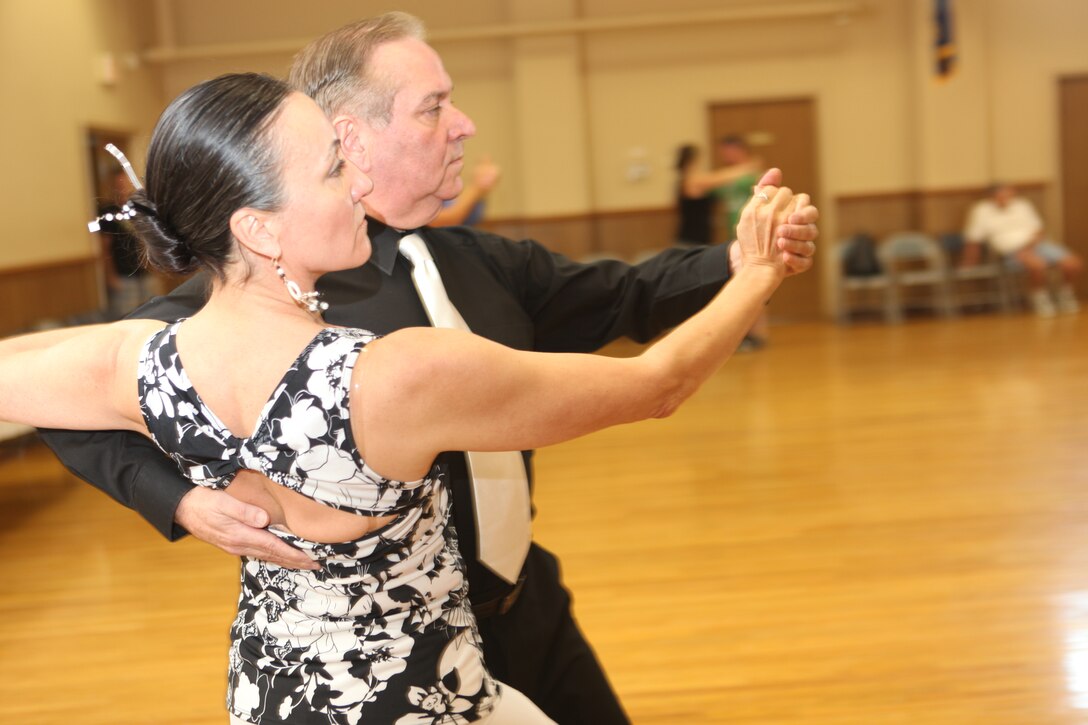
(499, 605)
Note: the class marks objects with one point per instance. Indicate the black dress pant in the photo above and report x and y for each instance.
(538, 648)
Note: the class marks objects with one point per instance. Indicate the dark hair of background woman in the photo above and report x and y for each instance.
(685, 154)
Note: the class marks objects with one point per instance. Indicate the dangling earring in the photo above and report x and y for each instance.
(309, 300)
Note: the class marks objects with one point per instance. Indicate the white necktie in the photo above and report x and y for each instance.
(500, 488)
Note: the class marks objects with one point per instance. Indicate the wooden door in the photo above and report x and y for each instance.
(783, 133)
(102, 164)
(1073, 95)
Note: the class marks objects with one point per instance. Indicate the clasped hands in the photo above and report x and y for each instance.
(796, 231)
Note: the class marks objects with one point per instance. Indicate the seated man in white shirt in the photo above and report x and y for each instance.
(1013, 229)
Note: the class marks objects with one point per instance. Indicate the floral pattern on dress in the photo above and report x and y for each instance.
(382, 632)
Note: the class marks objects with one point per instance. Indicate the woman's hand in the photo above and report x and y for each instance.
(757, 231)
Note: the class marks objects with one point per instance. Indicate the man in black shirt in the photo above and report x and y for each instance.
(405, 133)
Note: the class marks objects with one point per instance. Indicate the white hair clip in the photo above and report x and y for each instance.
(120, 156)
(127, 211)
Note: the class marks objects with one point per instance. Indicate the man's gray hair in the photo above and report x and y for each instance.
(335, 69)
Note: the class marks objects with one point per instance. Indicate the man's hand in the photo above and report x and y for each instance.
(237, 528)
(796, 238)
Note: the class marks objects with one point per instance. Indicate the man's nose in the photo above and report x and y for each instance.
(462, 126)
(361, 183)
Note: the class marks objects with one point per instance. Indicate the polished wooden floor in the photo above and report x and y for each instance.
(866, 525)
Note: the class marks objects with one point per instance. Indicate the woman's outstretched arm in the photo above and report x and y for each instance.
(422, 391)
(81, 378)
(698, 183)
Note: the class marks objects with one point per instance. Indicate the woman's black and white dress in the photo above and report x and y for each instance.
(382, 632)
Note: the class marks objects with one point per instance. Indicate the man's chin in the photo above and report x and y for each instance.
(420, 211)
(451, 189)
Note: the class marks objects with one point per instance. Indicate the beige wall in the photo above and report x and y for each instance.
(567, 114)
(51, 60)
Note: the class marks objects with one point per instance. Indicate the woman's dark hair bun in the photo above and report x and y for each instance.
(163, 248)
(210, 155)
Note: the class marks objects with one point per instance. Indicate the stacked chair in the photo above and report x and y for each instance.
(911, 270)
(864, 284)
(986, 284)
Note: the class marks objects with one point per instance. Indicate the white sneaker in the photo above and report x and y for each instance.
(1042, 304)
(1067, 301)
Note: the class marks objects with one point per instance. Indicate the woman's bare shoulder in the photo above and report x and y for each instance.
(139, 328)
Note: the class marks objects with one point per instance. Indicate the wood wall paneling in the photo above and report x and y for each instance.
(934, 212)
(876, 214)
(49, 291)
(630, 235)
(624, 234)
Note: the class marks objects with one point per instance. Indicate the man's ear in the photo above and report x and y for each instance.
(354, 137)
(256, 231)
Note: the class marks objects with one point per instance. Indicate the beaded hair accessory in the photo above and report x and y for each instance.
(129, 209)
(126, 212)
